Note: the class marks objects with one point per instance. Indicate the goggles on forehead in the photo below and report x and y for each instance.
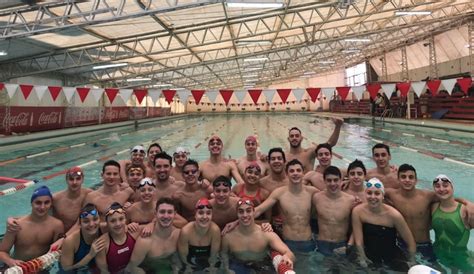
(146, 182)
(138, 151)
(74, 174)
(117, 210)
(190, 172)
(135, 169)
(204, 206)
(246, 202)
(93, 212)
(219, 183)
(444, 180)
(376, 185)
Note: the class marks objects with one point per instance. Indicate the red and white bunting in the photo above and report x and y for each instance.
(269, 94)
(404, 88)
(26, 90)
(226, 95)
(465, 84)
(69, 93)
(140, 94)
(240, 95)
(373, 89)
(154, 95)
(298, 93)
(418, 87)
(169, 95)
(212, 95)
(11, 89)
(183, 95)
(255, 95)
(433, 86)
(40, 91)
(388, 89)
(197, 95)
(97, 94)
(125, 93)
(83, 92)
(313, 93)
(54, 92)
(2, 85)
(328, 92)
(111, 93)
(284, 93)
(448, 85)
(358, 92)
(343, 92)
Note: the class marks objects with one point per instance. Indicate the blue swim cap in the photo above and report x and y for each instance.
(41, 191)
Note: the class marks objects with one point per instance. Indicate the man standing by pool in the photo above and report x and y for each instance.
(324, 157)
(384, 172)
(38, 231)
(251, 146)
(306, 155)
(216, 165)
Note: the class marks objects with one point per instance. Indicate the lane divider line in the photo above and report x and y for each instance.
(37, 154)
(440, 140)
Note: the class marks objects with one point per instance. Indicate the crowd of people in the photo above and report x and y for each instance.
(150, 216)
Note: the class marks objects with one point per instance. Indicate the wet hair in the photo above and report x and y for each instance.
(110, 163)
(293, 162)
(113, 206)
(276, 149)
(132, 165)
(405, 168)
(332, 170)
(326, 146)
(163, 155)
(294, 128)
(380, 145)
(154, 145)
(165, 200)
(222, 179)
(355, 164)
(191, 162)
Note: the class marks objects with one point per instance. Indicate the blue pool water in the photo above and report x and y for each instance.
(355, 141)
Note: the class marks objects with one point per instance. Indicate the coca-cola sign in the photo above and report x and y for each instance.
(49, 118)
(30, 119)
(21, 119)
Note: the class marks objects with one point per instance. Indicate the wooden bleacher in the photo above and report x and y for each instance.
(464, 109)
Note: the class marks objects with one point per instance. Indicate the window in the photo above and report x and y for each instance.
(356, 75)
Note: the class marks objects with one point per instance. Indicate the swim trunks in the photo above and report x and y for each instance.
(327, 248)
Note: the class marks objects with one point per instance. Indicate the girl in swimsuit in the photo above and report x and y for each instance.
(79, 248)
(451, 230)
(119, 242)
(143, 211)
(252, 190)
(375, 226)
(199, 241)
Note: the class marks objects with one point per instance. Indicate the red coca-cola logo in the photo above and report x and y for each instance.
(19, 120)
(48, 118)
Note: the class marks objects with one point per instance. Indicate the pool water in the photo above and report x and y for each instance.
(356, 140)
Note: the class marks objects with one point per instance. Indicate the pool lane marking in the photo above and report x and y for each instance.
(408, 134)
(386, 130)
(18, 187)
(457, 162)
(37, 154)
(78, 145)
(408, 148)
(440, 140)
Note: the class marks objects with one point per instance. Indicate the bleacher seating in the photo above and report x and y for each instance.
(464, 109)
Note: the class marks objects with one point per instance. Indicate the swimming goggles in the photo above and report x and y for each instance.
(219, 183)
(376, 185)
(92, 213)
(135, 169)
(444, 180)
(246, 202)
(138, 150)
(146, 182)
(204, 206)
(117, 210)
(190, 172)
(75, 174)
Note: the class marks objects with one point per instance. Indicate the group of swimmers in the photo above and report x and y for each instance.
(149, 216)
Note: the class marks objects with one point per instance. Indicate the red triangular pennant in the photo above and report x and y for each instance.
(26, 90)
(284, 93)
(343, 92)
(111, 93)
(373, 89)
(255, 94)
(465, 84)
(54, 91)
(404, 88)
(1, 86)
(197, 95)
(83, 92)
(140, 94)
(226, 94)
(433, 86)
(169, 95)
(313, 93)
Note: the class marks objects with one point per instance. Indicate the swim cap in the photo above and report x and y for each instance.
(216, 138)
(374, 182)
(74, 171)
(203, 202)
(253, 165)
(251, 138)
(245, 201)
(41, 191)
(181, 150)
(443, 178)
(139, 149)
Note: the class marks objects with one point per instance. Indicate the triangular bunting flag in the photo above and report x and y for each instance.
(197, 95)
(154, 95)
(169, 95)
(240, 94)
(1, 86)
(255, 94)
(284, 93)
(111, 94)
(373, 90)
(83, 92)
(388, 89)
(404, 88)
(140, 94)
(54, 92)
(183, 95)
(448, 84)
(97, 93)
(358, 91)
(343, 92)
(313, 93)
(11, 89)
(69, 93)
(40, 91)
(212, 95)
(418, 87)
(269, 94)
(26, 90)
(465, 84)
(298, 93)
(328, 92)
(433, 86)
(125, 94)
(226, 94)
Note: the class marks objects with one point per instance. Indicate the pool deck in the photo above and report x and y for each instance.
(449, 126)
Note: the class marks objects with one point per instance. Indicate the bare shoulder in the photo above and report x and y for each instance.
(86, 190)
(215, 228)
(393, 212)
(59, 195)
(311, 189)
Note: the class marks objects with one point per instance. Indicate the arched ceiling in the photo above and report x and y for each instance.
(207, 44)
